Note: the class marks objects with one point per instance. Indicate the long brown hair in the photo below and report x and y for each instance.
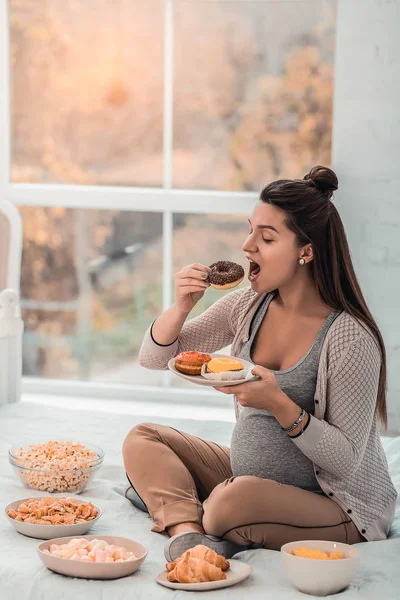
(312, 216)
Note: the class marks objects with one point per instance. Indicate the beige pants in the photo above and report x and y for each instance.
(182, 478)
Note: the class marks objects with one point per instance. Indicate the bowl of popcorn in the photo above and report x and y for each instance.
(56, 466)
(108, 557)
(49, 517)
(320, 568)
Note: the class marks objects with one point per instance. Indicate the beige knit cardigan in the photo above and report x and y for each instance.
(342, 439)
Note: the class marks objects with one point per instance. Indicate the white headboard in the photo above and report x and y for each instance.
(10, 246)
(11, 330)
(11, 326)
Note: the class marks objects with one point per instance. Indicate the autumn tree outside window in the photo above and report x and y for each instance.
(149, 125)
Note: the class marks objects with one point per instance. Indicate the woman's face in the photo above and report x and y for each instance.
(272, 246)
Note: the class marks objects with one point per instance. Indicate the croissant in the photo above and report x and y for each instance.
(194, 570)
(203, 553)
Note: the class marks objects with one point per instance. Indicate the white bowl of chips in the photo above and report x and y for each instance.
(49, 517)
(311, 572)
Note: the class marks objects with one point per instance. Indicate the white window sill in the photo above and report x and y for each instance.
(192, 409)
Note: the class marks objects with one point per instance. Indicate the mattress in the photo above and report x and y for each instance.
(24, 577)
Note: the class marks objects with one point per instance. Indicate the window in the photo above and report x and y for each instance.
(87, 92)
(90, 282)
(253, 85)
(141, 134)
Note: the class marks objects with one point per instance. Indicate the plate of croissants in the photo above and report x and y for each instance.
(202, 569)
(215, 370)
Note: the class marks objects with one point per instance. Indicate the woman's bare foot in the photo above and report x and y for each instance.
(183, 528)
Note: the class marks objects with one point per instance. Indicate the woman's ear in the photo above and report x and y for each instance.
(307, 253)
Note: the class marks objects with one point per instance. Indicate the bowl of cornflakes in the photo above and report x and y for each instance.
(56, 466)
(318, 567)
(51, 516)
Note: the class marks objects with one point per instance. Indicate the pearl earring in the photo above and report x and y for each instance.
(302, 261)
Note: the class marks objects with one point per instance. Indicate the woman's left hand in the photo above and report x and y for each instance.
(264, 393)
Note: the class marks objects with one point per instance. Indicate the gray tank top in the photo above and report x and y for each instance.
(259, 447)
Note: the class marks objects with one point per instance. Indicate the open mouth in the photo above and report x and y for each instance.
(254, 270)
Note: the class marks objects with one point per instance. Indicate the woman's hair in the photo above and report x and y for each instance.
(313, 217)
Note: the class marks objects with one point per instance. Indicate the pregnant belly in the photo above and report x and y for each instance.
(260, 448)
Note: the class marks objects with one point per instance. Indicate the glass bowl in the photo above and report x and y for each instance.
(52, 479)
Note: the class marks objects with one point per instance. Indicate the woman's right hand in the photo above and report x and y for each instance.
(190, 285)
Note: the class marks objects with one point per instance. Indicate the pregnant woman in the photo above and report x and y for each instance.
(305, 460)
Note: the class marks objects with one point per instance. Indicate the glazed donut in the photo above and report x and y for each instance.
(225, 275)
(191, 362)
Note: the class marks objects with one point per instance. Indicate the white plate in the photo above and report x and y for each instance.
(212, 383)
(239, 571)
(100, 570)
(47, 532)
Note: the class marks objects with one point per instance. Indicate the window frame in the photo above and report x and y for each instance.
(165, 200)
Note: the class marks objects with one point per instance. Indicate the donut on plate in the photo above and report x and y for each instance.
(225, 275)
(191, 362)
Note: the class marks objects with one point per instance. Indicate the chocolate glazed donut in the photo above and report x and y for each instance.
(225, 275)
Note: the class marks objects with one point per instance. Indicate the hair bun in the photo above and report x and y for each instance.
(324, 179)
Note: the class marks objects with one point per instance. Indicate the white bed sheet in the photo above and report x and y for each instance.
(23, 577)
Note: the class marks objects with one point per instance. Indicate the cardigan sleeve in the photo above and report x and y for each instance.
(338, 442)
(209, 332)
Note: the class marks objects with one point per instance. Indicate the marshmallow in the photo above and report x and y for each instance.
(101, 556)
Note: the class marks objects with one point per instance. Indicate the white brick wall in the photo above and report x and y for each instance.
(366, 157)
